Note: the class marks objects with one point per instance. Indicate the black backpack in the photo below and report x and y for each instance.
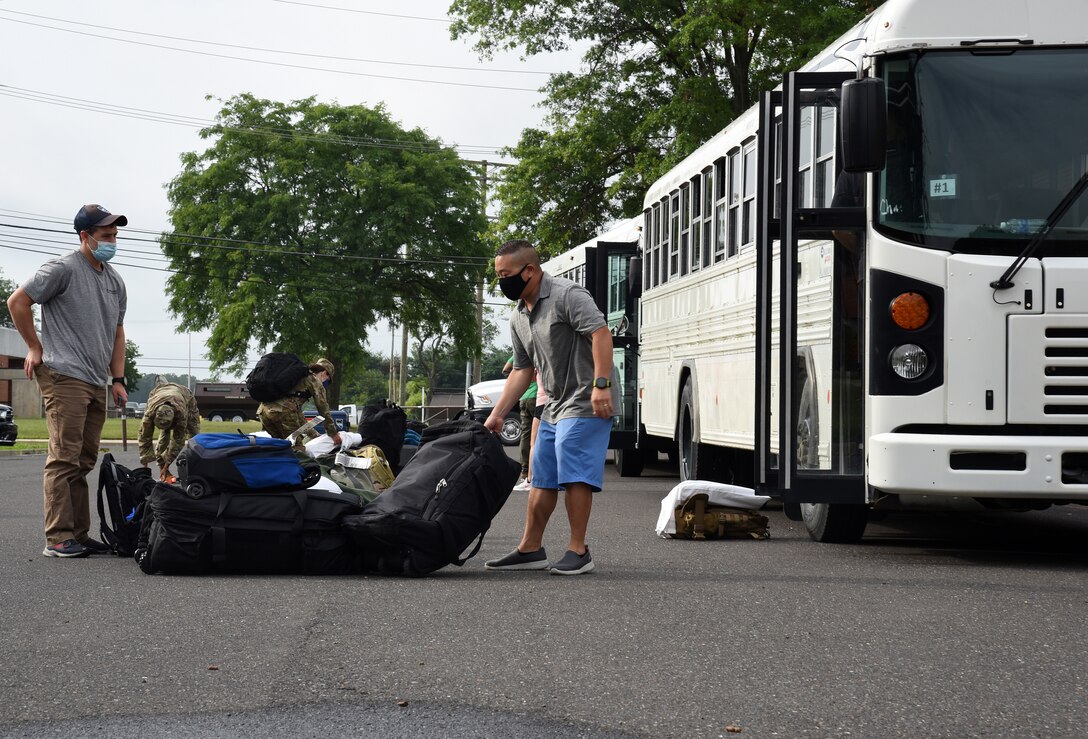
(122, 498)
(384, 426)
(441, 502)
(275, 375)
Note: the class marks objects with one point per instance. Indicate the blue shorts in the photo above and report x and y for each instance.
(572, 450)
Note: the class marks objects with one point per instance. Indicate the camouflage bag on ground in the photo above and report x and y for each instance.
(370, 459)
(697, 519)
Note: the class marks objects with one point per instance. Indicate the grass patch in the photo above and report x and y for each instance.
(34, 428)
(26, 446)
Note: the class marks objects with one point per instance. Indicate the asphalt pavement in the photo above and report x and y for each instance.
(946, 625)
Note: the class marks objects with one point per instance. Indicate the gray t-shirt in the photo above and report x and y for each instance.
(555, 339)
(81, 310)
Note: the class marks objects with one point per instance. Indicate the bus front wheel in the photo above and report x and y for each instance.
(835, 523)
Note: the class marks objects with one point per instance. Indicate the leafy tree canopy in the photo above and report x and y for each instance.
(659, 77)
(132, 374)
(7, 287)
(305, 223)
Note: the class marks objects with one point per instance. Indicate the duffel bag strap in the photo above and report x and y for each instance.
(219, 532)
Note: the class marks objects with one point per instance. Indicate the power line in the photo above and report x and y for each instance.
(440, 259)
(367, 12)
(278, 51)
(191, 121)
(272, 63)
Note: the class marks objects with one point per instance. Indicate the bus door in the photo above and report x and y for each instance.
(809, 312)
(607, 269)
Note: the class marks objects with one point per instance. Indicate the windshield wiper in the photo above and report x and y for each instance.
(1004, 282)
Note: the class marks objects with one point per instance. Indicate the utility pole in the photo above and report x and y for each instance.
(402, 396)
(480, 288)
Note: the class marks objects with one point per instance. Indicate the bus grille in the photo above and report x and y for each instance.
(1048, 369)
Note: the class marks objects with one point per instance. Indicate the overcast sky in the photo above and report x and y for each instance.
(86, 88)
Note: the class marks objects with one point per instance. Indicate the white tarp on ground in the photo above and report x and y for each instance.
(718, 493)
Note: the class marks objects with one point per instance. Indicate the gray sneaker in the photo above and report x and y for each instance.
(518, 560)
(573, 564)
(67, 548)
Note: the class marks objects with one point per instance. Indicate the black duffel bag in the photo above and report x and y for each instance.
(296, 532)
(440, 503)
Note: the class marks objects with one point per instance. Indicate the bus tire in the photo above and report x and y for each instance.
(629, 462)
(238, 418)
(216, 417)
(687, 451)
(835, 523)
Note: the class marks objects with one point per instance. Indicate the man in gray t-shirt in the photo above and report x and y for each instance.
(81, 351)
(558, 329)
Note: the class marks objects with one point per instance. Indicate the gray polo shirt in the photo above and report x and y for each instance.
(81, 310)
(555, 339)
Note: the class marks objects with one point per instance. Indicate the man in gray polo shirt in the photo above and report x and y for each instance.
(557, 328)
(82, 349)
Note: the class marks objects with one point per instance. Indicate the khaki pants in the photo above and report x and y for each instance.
(75, 412)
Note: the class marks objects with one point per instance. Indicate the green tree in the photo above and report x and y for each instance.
(367, 381)
(438, 356)
(132, 373)
(7, 287)
(659, 77)
(305, 223)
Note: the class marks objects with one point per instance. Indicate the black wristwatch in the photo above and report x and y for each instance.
(602, 382)
(118, 379)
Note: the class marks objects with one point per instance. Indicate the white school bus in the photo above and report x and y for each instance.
(923, 180)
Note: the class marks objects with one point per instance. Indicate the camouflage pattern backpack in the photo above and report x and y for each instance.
(697, 519)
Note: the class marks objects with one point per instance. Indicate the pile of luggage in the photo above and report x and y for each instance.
(246, 504)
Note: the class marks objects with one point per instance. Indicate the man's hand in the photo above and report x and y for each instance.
(494, 423)
(33, 359)
(335, 438)
(164, 473)
(120, 395)
(602, 402)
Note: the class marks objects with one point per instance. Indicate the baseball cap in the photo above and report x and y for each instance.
(93, 215)
(322, 364)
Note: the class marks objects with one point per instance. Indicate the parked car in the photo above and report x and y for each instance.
(479, 401)
(140, 409)
(130, 408)
(341, 418)
(8, 430)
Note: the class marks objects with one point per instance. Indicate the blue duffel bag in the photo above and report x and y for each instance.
(237, 463)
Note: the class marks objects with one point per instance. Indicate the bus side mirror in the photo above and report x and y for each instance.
(634, 278)
(864, 116)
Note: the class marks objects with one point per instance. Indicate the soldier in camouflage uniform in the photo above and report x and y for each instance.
(172, 409)
(280, 418)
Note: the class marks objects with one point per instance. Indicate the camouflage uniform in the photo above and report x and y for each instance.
(280, 418)
(185, 423)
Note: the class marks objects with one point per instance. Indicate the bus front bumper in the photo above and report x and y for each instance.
(980, 466)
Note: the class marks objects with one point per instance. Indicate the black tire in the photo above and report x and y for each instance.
(835, 523)
(687, 451)
(629, 462)
(510, 435)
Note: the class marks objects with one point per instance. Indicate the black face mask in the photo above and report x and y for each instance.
(513, 286)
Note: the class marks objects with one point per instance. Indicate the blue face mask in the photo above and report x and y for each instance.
(324, 383)
(105, 250)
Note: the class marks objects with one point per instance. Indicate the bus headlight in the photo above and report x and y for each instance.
(909, 361)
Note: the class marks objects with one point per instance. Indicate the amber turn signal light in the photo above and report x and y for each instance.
(910, 311)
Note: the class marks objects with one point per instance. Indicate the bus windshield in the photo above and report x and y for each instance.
(982, 145)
